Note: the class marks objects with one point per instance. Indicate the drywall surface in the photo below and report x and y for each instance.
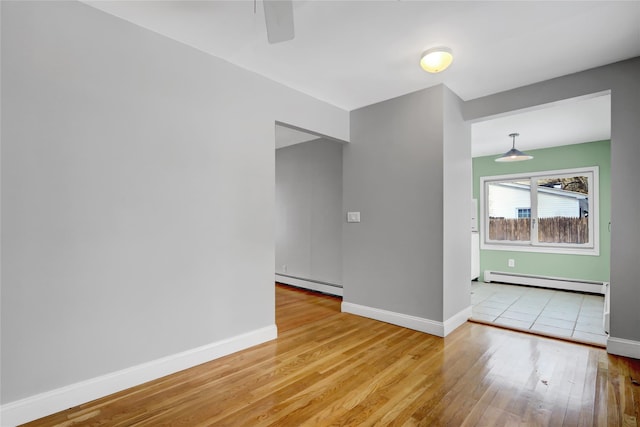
(393, 176)
(583, 267)
(623, 79)
(456, 244)
(309, 211)
(137, 195)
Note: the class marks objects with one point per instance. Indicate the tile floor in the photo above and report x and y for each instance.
(563, 314)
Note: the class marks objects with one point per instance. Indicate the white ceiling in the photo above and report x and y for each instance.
(355, 53)
(570, 122)
(573, 121)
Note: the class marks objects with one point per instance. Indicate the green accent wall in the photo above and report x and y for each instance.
(583, 267)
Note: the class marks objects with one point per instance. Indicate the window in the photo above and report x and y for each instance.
(551, 211)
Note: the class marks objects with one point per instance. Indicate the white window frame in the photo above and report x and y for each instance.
(591, 248)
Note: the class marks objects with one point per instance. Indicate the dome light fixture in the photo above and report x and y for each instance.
(436, 59)
(514, 155)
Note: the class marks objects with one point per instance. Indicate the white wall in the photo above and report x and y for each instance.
(551, 205)
(504, 202)
(137, 195)
(623, 79)
(309, 211)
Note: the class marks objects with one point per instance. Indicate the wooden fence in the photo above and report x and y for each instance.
(557, 229)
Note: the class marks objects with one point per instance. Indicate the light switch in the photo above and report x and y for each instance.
(353, 216)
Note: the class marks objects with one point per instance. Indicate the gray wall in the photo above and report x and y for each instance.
(623, 79)
(393, 176)
(137, 195)
(457, 187)
(309, 211)
(407, 169)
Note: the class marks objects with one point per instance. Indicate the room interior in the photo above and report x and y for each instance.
(544, 127)
(551, 310)
(138, 171)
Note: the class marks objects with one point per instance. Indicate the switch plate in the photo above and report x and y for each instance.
(511, 262)
(353, 216)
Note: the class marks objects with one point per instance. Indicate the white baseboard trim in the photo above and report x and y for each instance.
(412, 322)
(326, 288)
(50, 402)
(606, 317)
(545, 282)
(458, 319)
(623, 347)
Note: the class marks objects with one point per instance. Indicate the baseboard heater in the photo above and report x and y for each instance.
(547, 282)
(311, 284)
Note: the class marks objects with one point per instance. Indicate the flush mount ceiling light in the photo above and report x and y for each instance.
(436, 59)
(514, 155)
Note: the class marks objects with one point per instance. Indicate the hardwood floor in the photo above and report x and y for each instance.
(330, 368)
(296, 307)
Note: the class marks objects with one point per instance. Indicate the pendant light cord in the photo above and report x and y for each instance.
(513, 135)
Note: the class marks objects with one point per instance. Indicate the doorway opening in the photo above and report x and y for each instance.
(542, 283)
(309, 214)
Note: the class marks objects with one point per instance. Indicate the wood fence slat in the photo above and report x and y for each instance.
(550, 230)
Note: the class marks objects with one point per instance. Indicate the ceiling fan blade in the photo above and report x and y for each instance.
(278, 16)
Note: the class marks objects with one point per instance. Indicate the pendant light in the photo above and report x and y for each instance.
(514, 155)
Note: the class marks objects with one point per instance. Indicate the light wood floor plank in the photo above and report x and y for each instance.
(331, 368)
